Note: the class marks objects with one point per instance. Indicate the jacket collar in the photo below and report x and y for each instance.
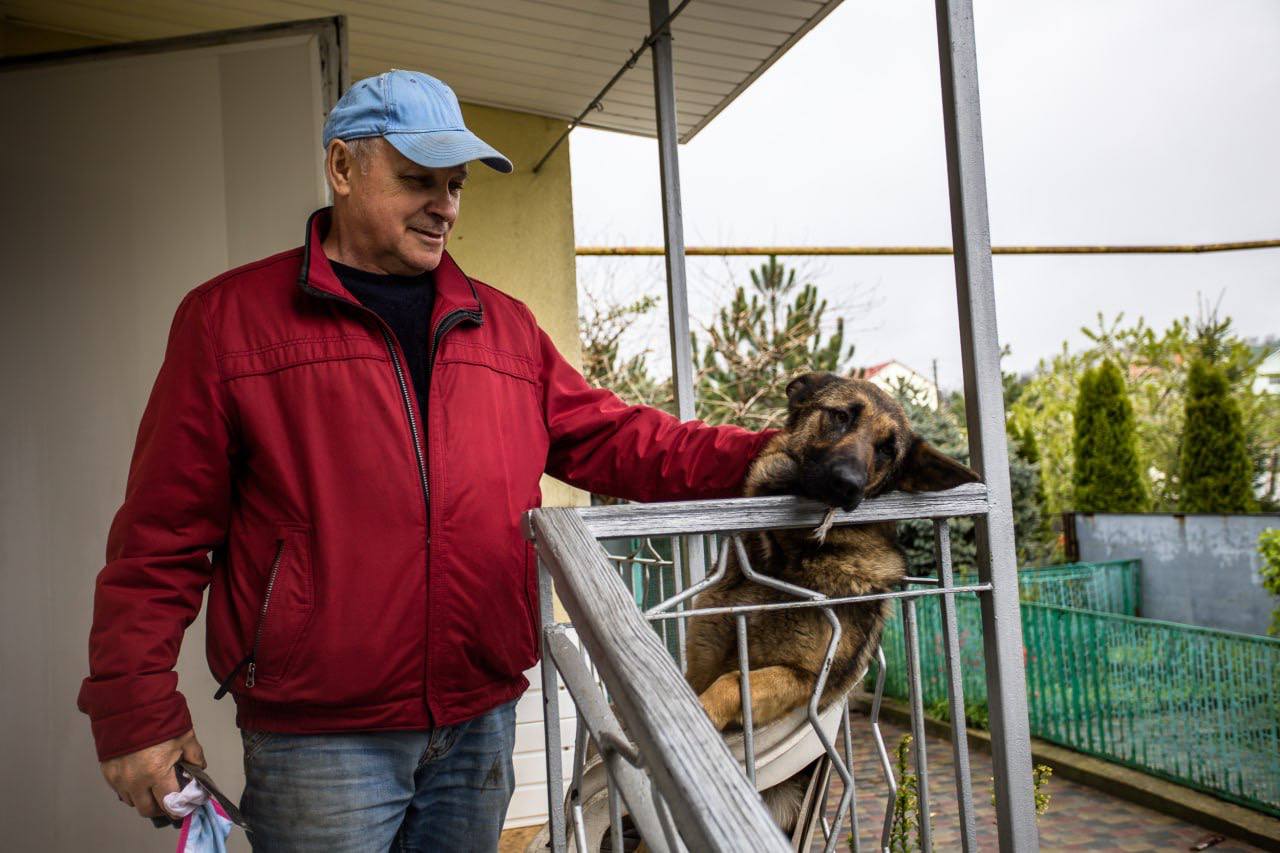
(454, 291)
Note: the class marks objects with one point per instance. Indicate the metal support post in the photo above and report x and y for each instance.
(984, 409)
(551, 714)
(664, 102)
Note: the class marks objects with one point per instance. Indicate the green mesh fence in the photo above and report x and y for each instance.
(1196, 706)
(1111, 587)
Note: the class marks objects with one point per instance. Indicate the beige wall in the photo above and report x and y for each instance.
(515, 232)
(98, 242)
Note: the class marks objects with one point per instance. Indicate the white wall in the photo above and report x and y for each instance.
(529, 803)
(123, 184)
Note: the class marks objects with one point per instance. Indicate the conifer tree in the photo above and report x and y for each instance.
(1216, 469)
(769, 332)
(1108, 474)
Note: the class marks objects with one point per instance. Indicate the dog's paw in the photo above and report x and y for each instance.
(719, 715)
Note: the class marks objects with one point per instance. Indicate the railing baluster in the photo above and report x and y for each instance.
(615, 815)
(579, 759)
(853, 791)
(678, 568)
(748, 727)
(955, 685)
(915, 690)
(551, 715)
(885, 765)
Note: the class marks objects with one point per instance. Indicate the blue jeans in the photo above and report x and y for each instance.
(446, 789)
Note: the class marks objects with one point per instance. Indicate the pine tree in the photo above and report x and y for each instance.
(1216, 469)
(767, 334)
(1108, 474)
(1033, 531)
(943, 428)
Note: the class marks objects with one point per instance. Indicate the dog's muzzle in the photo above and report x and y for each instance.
(848, 485)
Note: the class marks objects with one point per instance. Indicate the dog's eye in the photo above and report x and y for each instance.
(885, 449)
(842, 420)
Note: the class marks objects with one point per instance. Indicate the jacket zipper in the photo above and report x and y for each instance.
(413, 422)
(450, 320)
(250, 660)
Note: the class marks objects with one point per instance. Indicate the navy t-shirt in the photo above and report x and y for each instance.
(404, 303)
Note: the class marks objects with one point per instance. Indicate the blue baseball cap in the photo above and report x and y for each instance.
(418, 114)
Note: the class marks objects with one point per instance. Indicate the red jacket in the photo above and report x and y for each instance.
(367, 566)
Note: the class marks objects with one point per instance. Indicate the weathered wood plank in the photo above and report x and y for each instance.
(735, 515)
(709, 797)
(630, 781)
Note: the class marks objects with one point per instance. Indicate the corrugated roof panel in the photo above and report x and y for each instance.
(548, 57)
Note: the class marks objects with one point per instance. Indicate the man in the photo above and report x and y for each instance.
(354, 428)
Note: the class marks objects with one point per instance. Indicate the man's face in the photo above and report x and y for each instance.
(396, 213)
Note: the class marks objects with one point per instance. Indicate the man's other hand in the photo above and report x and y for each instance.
(141, 779)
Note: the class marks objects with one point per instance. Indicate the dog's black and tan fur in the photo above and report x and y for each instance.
(844, 440)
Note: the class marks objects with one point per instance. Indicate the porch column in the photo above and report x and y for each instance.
(984, 411)
(664, 101)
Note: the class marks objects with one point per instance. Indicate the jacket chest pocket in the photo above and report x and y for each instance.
(489, 431)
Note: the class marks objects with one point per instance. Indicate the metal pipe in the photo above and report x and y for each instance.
(836, 251)
(915, 689)
(886, 766)
(955, 688)
(615, 816)
(551, 716)
(853, 791)
(984, 409)
(595, 103)
(575, 794)
(817, 602)
(744, 684)
(664, 103)
(664, 100)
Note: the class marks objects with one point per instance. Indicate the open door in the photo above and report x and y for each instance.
(130, 174)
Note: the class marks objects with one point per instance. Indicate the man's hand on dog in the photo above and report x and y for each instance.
(141, 779)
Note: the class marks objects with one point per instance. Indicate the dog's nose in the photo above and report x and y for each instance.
(849, 482)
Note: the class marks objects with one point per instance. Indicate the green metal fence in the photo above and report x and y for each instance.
(1111, 587)
(1196, 706)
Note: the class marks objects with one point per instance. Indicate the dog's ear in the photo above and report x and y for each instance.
(801, 389)
(927, 469)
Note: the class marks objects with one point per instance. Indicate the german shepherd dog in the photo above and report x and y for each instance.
(844, 440)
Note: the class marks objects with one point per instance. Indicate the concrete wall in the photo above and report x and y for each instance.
(1196, 569)
(135, 180)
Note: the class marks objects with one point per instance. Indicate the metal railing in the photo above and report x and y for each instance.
(671, 769)
(721, 808)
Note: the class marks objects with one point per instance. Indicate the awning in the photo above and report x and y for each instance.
(547, 58)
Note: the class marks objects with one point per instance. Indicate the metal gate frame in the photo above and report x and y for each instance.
(984, 404)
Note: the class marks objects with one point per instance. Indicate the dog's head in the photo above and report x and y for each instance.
(847, 440)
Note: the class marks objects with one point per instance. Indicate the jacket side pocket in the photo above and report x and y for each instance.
(287, 604)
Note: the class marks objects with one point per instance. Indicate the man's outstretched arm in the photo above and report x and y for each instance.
(175, 511)
(601, 444)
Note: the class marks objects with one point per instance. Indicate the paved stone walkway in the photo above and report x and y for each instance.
(1079, 818)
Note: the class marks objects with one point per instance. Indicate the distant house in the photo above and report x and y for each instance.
(890, 375)
(1267, 380)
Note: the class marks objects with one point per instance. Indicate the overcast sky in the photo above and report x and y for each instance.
(1106, 121)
